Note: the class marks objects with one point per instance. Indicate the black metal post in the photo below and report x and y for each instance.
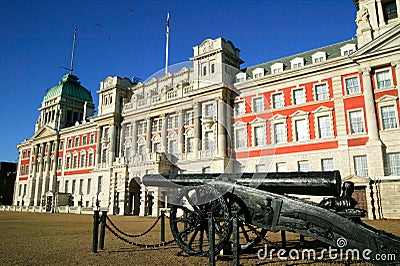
(162, 226)
(235, 238)
(103, 221)
(95, 231)
(301, 240)
(283, 236)
(211, 239)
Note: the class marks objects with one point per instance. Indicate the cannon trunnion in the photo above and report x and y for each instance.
(261, 200)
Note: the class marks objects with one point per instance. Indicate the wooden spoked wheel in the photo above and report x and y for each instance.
(189, 219)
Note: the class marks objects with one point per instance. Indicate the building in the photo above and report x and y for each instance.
(336, 107)
(8, 172)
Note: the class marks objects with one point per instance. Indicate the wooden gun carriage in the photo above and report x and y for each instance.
(268, 202)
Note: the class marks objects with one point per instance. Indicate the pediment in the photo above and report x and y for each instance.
(386, 98)
(258, 120)
(389, 41)
(240, 124)
(44, 132)
(322, 109)
(299, 113)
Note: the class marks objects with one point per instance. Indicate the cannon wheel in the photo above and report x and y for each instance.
(189, 219)
(247, 238)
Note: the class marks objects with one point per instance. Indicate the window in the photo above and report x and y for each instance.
(22, 170)
(303, 166)
(75, 161)
(258, 72)
(189, 118)
(260, 168)
(240, 77)
(99, 184)
(89, 186)
(389, 10)
(157, 147)
(76, 142)
(73, 186)
(127, 132)
(279, 133)
(156, 125)
(318, 57)
(80, 186)
(348, 49)
(278, 101)
(258, 104)
(69, 143)
(297, 62)
(277, 68)
(106, 132)
(356, 122)
(393, 163)
(299, 96)
(84, 140)
(239, 108)
(327, 164)
(360, 165)
(209, 140)
(241, 138)
(173, 148)
(172, 121)
(352, 86)
(61, 145)
(204, 70)
(190, 144)
(68, 163)
(321, 92)
(259, 135)
(90, 160)
(281, 167)
(104, 156)
(66, 186)
(142, 149)
(83, 160)
(91, 138)
(324, 126)
(301, 130)
(212, 68)
(389, 117)
(383, 79)
(59, 166)
(209, 110)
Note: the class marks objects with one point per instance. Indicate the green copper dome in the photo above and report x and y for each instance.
(69, 86)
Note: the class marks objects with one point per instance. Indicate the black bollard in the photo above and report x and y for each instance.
(95, 231)
(162, 231)
(235, 238)
(103, 221)
(301, 241)
(283, 236)
(211, 239)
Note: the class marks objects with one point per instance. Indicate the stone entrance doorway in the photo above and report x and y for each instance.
(134, 197)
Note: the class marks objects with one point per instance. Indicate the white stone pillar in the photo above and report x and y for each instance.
(45, 184)
(53, 176)
(221, 132)
(148, 134)
(370, 111)
(31, 190)
(98, 146)
(398, 10)
(197, 128)
(112, 146)
(181, 132)
(381, 18)
(122, 140)
(164, 133)
(134, 137)
(38, 184)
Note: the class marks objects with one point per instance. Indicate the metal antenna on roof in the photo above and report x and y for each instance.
(71, 68)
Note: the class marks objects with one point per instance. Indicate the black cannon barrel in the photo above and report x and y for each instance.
(327, 183)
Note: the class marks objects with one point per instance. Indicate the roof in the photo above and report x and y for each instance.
(71, 87)
(332, 51)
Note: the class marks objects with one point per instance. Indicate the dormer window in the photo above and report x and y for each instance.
(297, 62)
(258, 72)
(348, 49)
(319, 57)
(277, 68)
(240, 77)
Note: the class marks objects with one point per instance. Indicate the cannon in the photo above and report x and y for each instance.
(269, 202)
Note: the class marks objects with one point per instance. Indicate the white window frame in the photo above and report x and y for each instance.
(303, 163)
(385, 101)
(393, 165)
(206, 111)
(281, 167)
(350, 122)
(318, 57)
(348, 49)
(297, 62)
(300, 116)
(240, 77)
(303, 99)
(327, 91)
(277, 119)
(387, 69)
(330, 163)
(254, 105)
(358, 85)
(321, 112)
(239, 108)
(258, 72)
(360, 171)
(259, 125)
(274, 102)
(238, 127)
(209, 143)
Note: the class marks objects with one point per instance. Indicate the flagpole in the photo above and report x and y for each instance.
(166, 46)
(71, 68)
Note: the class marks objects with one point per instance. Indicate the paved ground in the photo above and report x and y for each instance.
(66, 239)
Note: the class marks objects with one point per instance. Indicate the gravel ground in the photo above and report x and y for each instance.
(66, 239)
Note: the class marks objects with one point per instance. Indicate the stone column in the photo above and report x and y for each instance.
(38, 184)
(197, 128)
(122, 140)
(134, 136)
(221, 131)
(381, 18)
(98, 146)
(34, 181)
(45, 178)
(181, 132)
(53, 176)
(374, 145)
(398, 12)
(112, 146)
(148, 134)
(164, 133)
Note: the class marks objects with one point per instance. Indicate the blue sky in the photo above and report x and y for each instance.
(127, 38)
